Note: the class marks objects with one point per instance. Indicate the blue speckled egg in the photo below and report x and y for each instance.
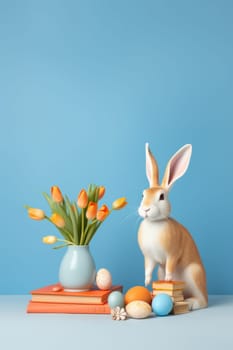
(116, 299)
(162, 304)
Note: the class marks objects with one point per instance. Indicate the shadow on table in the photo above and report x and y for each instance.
(216, 300)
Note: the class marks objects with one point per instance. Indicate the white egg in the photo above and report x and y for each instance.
(103, 279)
(138, 309)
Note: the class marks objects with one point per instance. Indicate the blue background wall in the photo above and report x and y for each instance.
(83, 86)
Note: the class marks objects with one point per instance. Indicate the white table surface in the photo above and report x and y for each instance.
(210, 328)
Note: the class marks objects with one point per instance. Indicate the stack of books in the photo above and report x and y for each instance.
(175, 290)
(53, 299)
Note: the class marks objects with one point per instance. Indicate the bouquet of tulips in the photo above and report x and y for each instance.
(79, 220)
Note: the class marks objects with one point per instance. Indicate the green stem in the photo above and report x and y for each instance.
(61, 246)
(73, 220)
(77, 219)
(63, 231)
(83, 238)
(65, 240)
(91, 232)
(82, 234)
(96, 194)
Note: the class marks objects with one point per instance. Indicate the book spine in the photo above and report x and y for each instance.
(39, 307)
(180, 311)
(65, 300)
(178, 298)
(168, 292)
(167, 288)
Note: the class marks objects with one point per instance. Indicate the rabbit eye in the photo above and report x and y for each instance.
(161, 198)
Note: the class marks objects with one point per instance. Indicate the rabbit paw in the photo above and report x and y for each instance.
(147, 280)
(168, 277)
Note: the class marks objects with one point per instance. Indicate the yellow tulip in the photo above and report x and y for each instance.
(119, 203)
(36, 214)
(82, 199)
(57, 220)
(101, 192)
(91, 210)
(56, 194)
(102, 213)
(49, 239)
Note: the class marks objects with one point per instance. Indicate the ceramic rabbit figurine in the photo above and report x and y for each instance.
(165, 241)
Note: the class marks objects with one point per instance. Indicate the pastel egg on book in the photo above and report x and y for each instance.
(57, 288)
(103, 279)
(116, 299)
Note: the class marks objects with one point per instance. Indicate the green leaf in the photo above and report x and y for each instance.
(61, 246)
(73, 220)
(66, 234)
(49, 200)
(96, 194)
(91, 192)
(78, 220)
(91, 232)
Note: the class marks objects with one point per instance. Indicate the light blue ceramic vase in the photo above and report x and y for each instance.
(77, 269)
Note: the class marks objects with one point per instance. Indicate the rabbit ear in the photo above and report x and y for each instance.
(177, 166)
(152, 170)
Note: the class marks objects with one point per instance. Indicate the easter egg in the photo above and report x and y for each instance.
(138, 293)
(116, 299)
(103, 279)
(138, 309)
(162, 304)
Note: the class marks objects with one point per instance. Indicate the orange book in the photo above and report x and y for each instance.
(93, 296)
(168, 285)
(172, 293)
(176, 295)
(180, 308)
(67, 308)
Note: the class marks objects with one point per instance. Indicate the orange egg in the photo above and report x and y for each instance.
(138, 293)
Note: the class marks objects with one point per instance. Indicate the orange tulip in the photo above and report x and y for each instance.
(119, 203)
(56, 194)
(101, 192)
(91, 210)
(36, 214)
(82, 199)
(57, 220)
(102, 213)
(49, 239)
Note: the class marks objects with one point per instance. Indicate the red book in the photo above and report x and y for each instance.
(49, 294)
(39, 307)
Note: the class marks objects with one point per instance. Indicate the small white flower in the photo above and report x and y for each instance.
(118, 313)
